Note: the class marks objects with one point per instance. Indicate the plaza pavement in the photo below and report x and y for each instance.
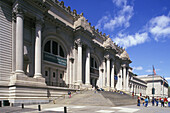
(55, 108)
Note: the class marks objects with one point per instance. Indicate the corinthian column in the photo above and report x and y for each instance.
(112, 76)
(108, 73)
(87, 66)
(124, 78)
(120, 83)
(38, 49)
(127, 80)
(79, 64)
(19, 40)
(13, 42)
(104, 70)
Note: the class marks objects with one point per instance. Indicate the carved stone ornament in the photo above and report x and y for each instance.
(69, 9)
(109, 44)
(18, 10)
(39, 22)
(124, 55)
(74, 12)
(62, 4)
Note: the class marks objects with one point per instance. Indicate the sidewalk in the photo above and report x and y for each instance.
(56, 108)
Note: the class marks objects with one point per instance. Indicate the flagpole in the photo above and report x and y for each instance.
(153, 85)
(153, 90)
(163, 85)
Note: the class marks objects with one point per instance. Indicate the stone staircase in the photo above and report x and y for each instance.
(119, 99)
(92, 98)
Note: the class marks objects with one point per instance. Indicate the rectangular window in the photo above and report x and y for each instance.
(55, 48)
(48, 46)
(54, 74)
(46, 73)
(61, 76)
(61, 52)
(91, 62)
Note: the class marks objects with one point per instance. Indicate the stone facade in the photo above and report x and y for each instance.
(47, 50)
(157, 82)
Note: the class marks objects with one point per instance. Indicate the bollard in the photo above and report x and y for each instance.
(39, 107)
(65, 109)
(22, 106)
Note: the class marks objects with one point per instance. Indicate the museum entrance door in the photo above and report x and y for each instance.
(93, 82)
(54, 77)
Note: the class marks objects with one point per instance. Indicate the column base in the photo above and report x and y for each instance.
(23, 80)
(19, 72)
(38, 75)
(113, 89)
(107, 88)
(27, 90)
(87, 86)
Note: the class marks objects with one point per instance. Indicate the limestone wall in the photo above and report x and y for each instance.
(5, 43)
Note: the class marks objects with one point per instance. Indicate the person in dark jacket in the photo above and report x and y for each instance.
(153, 101)
(138, 101)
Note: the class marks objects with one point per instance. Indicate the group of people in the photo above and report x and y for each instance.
(145, 100)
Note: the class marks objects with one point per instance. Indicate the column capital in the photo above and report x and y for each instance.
(13, 16)
(39, 22)
(79, 43)
(107, 57)
(18, 10)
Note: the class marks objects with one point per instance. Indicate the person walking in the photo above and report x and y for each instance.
(146, 101)
(157, 101)
(153, 101)
(162, 102)
(165, 102)
(69, 93)
(143, 101)
(138, 101)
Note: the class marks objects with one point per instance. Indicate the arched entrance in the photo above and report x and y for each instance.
(94, 71)
(55, 63)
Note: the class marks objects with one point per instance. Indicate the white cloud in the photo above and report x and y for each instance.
(120, 19)
(138, 68)
(101, 22)
(149, 70)
(167, 78)
(159, 27)
(119, 3)
(131, 40)
(161, 62)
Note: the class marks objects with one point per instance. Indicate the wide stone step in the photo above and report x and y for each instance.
(119, 99)
(93, 98)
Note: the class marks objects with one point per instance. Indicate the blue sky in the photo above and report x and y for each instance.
(141, 26)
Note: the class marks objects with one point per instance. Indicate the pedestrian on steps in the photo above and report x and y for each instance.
(69, 93)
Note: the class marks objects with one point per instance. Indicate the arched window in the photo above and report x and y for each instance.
(47, 47)
(54, 48)
(94, 66)
(93, 63)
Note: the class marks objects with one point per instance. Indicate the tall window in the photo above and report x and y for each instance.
(93, 63)
(48, 47)
(54, 48)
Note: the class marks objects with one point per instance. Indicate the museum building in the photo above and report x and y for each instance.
(47, 50)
